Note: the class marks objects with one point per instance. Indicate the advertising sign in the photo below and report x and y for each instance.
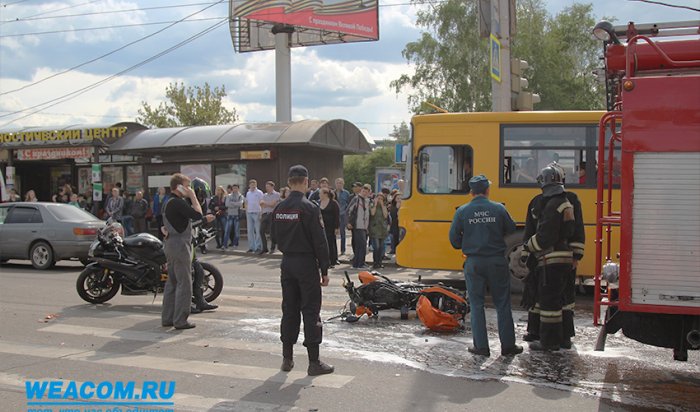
(96, 173)
(387, 178)
(401, 153)
(97, 192)
(356, 17)
(314, 22)
(57, 153)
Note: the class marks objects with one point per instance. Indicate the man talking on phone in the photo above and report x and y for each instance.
(177, 221)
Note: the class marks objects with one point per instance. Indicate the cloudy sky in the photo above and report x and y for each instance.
(47, 55)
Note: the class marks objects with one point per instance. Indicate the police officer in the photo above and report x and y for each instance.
(554, 257)
(577, 244)
(479, 228)
(297, 229)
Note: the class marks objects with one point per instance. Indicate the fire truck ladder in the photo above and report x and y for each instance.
(606, 217)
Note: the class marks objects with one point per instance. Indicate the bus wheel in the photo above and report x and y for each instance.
(514, 245)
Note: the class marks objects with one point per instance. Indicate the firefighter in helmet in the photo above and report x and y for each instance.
(553, 242)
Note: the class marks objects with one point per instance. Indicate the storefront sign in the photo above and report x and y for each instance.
(54, 137)
(255, 155)
(51, 154)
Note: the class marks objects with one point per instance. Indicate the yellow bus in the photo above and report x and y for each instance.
(510, 149)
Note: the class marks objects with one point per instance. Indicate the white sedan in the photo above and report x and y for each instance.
(45, 232)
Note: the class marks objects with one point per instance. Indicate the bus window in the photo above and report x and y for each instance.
(444, 169)
(527, 149)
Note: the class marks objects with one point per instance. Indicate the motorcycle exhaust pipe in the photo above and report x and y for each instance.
(693, 338)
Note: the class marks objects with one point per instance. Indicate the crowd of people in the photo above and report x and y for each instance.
(370, 218)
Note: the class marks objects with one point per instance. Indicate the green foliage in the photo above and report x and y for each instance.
(191, 106)
(451, 61)
(360, 168)
(562, 56)
(401, 133)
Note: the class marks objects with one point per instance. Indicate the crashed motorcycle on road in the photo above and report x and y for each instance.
(439, 307)
(137, 264)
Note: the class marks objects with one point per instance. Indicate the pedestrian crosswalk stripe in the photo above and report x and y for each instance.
(183, 401)
(136, 335)
(226, 370)
(269, 299)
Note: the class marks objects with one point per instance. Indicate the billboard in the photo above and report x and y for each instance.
(315, 22)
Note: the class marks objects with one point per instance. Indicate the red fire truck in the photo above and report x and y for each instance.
(651, 289)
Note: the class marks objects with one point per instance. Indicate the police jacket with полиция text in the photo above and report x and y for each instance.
(297, 228)
(554, 229)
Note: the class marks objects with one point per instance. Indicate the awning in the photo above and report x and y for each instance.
(338, 135)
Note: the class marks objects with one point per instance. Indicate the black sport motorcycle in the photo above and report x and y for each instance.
(137, 263)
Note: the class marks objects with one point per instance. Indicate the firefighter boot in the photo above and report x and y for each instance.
(537, 346)
(566, 343)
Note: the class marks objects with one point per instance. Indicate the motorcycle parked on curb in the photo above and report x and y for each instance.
(137, 264)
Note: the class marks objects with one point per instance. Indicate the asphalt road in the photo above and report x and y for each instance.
(230, 361)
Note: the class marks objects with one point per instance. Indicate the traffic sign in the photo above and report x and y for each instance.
(495, 58)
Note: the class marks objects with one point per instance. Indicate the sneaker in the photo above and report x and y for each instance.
(481, 352)
(249, 251)
(512, 351)
(319, 368)
(287, 365)
(531, 337)
(537, 346)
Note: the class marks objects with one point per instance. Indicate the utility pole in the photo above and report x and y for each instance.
(500, 28)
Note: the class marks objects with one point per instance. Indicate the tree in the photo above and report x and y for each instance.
(451, 61)
(191, 106)
(562, 56)
(401, 133)
(360, 168)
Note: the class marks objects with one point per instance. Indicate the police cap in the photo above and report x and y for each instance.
(478, 184)
(298, 171)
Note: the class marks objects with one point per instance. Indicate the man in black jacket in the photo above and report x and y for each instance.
(138, 212)
(297, 229)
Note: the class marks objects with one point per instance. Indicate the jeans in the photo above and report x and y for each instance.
(378, 248)
(343, 225)
(480, 271)
(359, 247)
(253, 221)
(220, 230)
(232, 223)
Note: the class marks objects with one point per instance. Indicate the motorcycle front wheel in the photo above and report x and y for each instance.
(213, 282)
(97, 285)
